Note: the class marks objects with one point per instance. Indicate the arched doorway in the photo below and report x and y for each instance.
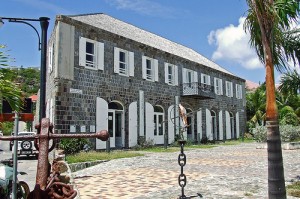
(116, 124)
(159, 125)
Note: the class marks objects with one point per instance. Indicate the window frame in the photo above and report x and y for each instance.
(98, 54)
(239, 92)
(153, 70)
(229, 88)
(205, 77)
(173, 81)
(218, 85)
(128, 62)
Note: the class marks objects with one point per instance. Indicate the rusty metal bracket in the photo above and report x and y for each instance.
(48, 185)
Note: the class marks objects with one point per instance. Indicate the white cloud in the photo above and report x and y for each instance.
(233, 45)
(144, 7)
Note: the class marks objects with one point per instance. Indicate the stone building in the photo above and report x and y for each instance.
(104, 73)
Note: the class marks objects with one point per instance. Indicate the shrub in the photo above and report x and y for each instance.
(290, 118)
(260, 133)
(143, 143)
(285, 110)
(73, 145)
(288, 133)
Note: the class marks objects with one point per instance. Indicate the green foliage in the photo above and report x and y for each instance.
(285, 110)
(288, 133)
(73, 145)
(294, 189)
(7, 127)
(290, 118)
(143, 143)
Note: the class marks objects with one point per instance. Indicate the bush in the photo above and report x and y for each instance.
(73, 145)
(284, 111)
(143, 143)
(288, 133)
(290, 119)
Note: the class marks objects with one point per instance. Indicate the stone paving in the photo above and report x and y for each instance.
(223, 172)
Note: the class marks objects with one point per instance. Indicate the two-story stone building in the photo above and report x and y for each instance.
(104, 73)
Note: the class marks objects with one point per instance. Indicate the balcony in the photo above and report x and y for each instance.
(198, 90)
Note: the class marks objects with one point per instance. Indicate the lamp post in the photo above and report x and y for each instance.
(44, 22)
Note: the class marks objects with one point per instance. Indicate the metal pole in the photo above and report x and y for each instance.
(44, 26)
(15, 157)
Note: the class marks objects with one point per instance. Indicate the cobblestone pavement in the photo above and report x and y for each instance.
(223, 172)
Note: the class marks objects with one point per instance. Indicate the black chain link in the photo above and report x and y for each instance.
(182, 176)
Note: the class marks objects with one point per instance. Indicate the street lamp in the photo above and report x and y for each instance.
(44, 22)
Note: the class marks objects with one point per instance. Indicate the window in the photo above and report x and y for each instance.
(205, 79)
(171, 74)
(189, 77)
(150, 68)
(123, 62)
(238, 91)
(229, 91)
(50, 58)
(91, 54)
(218, 86)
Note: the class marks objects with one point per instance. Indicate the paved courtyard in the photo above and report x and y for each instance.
(223, 172)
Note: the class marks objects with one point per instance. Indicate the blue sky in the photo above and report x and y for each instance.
(213, 28)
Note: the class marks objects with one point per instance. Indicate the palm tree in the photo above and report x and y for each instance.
(290, 82)
(269, 23)
(9, 91)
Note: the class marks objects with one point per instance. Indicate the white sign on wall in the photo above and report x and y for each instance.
(73, 90)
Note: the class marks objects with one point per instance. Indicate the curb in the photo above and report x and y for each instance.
(83, 165)
(284, 146)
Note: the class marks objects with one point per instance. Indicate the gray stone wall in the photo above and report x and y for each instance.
(80, 109)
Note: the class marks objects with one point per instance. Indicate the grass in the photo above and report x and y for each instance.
(294, 189)
(94, 156)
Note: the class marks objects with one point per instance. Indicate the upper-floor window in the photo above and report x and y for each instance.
(229, 90)
(91, 53)
(171, 74)
(218, 86)
(150, 68)
(238, 88)
(189, 76)
(50, 57)
(205, 79)
(123, 62)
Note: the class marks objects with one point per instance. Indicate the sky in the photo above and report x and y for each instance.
(213, 28)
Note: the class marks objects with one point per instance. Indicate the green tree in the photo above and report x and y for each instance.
(290, 82)
(8, 89)
(269, 23)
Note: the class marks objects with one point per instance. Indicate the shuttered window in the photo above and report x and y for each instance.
(91, 54)
(123, 62)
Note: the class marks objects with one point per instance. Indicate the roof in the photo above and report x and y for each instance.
(126, 30)
(251, 85)
(34, 98)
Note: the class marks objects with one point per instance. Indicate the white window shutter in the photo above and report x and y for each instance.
(100, 56)
(221, 87)
(166, 73)
(195, 76)
(116, 59)
(208, 80)
(184, 75)
(215, 85)
(131, 63)
(202, 78)
(231, 90)
(155, 61)
(176, 75)
(236, 91)
(144, 67)
(50, 58)
(82, 51)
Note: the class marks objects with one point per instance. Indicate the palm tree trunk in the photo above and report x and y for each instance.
(276, 183)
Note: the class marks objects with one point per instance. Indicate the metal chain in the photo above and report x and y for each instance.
(182, 163)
